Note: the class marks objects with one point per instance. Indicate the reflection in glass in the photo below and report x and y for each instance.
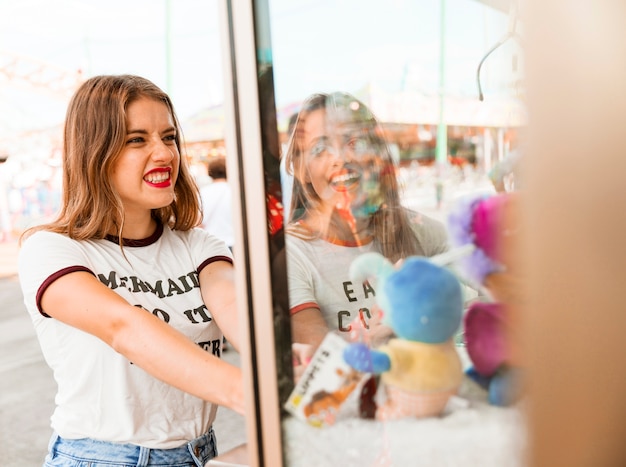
(345, 203)
(371, 184)
(275, 228)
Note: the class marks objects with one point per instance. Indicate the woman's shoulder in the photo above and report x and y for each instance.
(302, 244)
(298, 229)
(431, 233)
(45, 238)
(189, 238)
(195, 234)
(198, 241)
(49, 251)
(421, 221)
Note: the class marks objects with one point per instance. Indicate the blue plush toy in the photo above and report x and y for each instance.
(423, 304)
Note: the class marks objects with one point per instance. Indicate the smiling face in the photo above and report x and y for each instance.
(341, 164)
(145, 172)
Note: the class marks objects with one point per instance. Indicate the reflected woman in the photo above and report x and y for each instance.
(345, 202)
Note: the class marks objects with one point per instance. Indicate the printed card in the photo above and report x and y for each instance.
(325, 385)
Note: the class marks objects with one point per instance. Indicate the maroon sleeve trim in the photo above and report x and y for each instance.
(213, 259)
(53, 277)
(303, 306)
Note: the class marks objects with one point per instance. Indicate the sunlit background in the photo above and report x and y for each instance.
(406, 59)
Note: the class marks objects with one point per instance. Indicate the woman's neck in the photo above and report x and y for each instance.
(333, 227)
(135, 229)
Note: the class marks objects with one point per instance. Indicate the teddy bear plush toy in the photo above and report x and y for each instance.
(488, 223)
(423, 304)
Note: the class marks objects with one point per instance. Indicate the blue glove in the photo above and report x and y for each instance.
(360, 357)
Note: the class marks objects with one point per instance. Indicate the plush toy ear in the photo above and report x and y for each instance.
(487, 224)
(474, 220)
(370, 266)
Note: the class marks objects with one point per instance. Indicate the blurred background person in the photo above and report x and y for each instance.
(505, 174)
(217, 204)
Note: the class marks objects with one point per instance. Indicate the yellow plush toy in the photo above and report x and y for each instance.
(423, 303)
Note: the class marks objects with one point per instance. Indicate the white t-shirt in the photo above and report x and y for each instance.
(318, 274)
(217, 211)
(101, 394)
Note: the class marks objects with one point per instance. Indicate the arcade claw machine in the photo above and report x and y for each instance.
(411, 68)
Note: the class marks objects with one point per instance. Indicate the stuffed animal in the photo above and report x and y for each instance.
(475, 220)
(423, 303)
(485, 329)
(488, 223)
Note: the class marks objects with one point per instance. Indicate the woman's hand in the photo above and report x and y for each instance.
(374, 332)
(302, 355)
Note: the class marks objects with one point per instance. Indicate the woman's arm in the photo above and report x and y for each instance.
(217, 283)
(308, 330)
(80, 300)
(308, 327)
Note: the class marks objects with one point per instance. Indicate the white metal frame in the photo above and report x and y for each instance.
(252, 261)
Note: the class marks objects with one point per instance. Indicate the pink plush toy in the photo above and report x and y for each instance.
(486, 344)
(480, 221)
(477, 220)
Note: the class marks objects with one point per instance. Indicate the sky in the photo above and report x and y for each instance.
(111, 36)
(396, 44)
(317, 45)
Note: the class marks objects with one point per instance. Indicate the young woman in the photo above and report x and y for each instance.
(129, 299)
(345, 202)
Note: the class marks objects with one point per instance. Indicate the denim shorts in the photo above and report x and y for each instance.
(88, 452)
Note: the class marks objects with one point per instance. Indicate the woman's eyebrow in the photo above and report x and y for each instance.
(144, 132)
(317, 139)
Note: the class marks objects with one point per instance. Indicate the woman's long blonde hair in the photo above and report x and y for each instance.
(94, 136)
(390, 224)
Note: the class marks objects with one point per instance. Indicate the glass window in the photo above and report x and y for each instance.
(373, 120)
